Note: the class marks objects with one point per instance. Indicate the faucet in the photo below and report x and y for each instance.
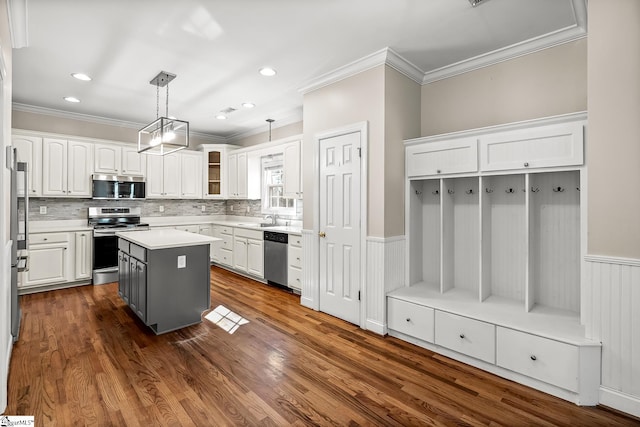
(273, 217)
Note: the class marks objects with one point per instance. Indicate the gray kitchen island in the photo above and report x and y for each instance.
(164, 276)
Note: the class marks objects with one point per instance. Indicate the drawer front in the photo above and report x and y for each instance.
(547, 360)
(295, 256)
(226, 257)
(189, 228)
(226, 229)
(123, 245)
(467, 336)
(294, 278)
(546, 146)
(35, 239)
(411, 319)
(443, 157)
(227, 242)
(138, 252)
(249, 234)
(295, 240)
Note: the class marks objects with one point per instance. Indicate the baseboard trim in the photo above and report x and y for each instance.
(613, 260)
(620, 401)
(376, 327)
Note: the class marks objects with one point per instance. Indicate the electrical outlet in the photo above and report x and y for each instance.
(161, 208)
(248, 209)
(231, 208)
(203, 208)
(43, 210)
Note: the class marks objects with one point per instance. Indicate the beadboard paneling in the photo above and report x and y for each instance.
(309, 293)
(385, 272)
(613, 297)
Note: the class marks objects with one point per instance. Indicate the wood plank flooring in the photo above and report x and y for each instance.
(85, 359)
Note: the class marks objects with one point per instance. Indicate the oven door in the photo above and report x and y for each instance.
(105, 258)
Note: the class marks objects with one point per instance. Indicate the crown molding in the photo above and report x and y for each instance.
(294, 118)
(545, 41)
(383, 56)
(26, 108)
(18, 18)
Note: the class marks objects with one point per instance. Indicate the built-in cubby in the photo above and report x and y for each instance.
(495, 253)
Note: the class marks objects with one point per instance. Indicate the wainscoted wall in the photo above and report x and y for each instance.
(612, 298)
(385, 272)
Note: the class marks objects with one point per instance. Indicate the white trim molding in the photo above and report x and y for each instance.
(612, 297)
(385, 272)
(18, 23)
(310, 273)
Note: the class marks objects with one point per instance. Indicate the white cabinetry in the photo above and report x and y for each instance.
(292, 170)
(215, 173)
(225, 254)
(294, 257)
(248, 252)
(191, 170)
(115, 159)
(163, 176)
(496, 252)
(237, 179)
(67, 168)
(29, 150)
(82, 253)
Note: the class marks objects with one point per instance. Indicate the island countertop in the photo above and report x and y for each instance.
(165, 238)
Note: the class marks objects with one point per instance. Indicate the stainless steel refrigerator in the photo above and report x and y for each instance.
(19, 231)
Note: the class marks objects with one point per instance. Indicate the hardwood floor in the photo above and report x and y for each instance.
(84, 359)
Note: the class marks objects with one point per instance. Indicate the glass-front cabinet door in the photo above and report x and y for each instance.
(215, 186)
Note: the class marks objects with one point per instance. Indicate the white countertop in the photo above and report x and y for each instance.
(165, 238)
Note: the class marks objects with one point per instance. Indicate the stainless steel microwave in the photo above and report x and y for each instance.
(118, 187)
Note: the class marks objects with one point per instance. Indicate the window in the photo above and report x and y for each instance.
(273, 200)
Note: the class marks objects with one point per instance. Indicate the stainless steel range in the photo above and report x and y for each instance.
(105, 222)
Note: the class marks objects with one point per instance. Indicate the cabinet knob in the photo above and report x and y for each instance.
(533, 357)
(408, 319)
(462, 336)
(526, 165)
(45, 239)
(438, 171)
(33, 191)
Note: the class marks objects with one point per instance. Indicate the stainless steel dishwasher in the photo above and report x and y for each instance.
(275, 257)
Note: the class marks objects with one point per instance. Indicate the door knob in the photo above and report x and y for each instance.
(322, 234)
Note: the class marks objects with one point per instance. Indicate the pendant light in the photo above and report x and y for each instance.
(164, 135)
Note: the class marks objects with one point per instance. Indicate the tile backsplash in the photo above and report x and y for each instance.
(76, 209)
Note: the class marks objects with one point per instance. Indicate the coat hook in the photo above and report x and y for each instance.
(435, 193)
(509, 191)
(488, 190)
(558, 189)
(418, 192)
(450, 191)
(469, 191)
(535, 190)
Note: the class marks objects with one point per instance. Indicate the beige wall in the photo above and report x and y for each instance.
(68, 126)
(613, 149)
(402, 121)
(276, 133)
(546, 83)
(352, 100)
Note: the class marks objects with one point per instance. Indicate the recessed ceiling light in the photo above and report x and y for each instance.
(267, 71)
(81, 76)
(71, 99)
(248, 104)
(221, 117)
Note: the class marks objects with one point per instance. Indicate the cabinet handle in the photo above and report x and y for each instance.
(533, 357)
(298, 258)
(438, 171)
(408, 319)
(462, 336)
(526, 165)
(297, 280)
(45, 239)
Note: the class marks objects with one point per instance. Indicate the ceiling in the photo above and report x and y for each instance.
(216, 48)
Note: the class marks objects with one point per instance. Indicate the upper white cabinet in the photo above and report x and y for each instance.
(215, 171)
(67, 168)
(191, 181)
(442, 157)
(164, 176)
(118, 160)
(29, 150)
(292, 170)
(237, 184)
(540, 147)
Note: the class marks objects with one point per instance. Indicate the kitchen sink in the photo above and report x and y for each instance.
(254, 224)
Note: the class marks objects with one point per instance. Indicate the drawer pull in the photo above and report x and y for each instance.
(408, 319)
(526, 165)
(462, 336)
(438, 171)
(533, 357)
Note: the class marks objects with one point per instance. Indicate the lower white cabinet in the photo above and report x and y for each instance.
(248, 251)
(56, 260)
(294, 257)
(225, 256)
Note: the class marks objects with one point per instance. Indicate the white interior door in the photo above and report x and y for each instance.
(340, 226)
